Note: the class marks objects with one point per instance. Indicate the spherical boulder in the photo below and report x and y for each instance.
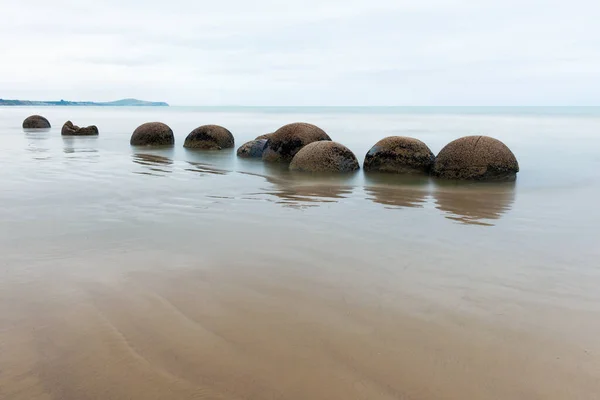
(324, 156)
(209, 137)
(69, 129)
(479, 158)
(36, 122)
(152, 134)
(400, 155)
(285, 142)
(252, 149)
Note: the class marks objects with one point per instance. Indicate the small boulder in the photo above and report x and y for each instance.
(152, 134)
(69, 129)
(209, 137)
(324, 156)
(36, 122)
(479, 158)
(252, 149)
(284, 143)
(400, 155)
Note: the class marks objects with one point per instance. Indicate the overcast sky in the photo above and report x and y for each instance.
(303, 52)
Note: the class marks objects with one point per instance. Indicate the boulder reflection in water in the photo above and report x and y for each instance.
(397, 191)
(476, 203)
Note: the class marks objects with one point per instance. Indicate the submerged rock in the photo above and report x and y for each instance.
(152, 134)
(324, 156)
(209, 137)
(252, 149)
(476, 158)
(284, 143)
(400, 155)
(69, 129)
(36, 122)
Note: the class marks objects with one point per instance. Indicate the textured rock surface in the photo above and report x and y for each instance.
(69, 129)
(476, 158)
(252, 149)
(284, 143)
(399, 154)
(36, 122)
(324, 156)
(265, 136)
(209, 137)
(152, 134)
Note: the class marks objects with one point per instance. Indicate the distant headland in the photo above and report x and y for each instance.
(118, 103)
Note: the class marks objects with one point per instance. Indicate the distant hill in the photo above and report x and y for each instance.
(118, 103)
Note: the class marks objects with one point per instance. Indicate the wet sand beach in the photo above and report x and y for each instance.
(175, 274)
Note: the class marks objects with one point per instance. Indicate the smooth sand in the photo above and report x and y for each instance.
(262, 333)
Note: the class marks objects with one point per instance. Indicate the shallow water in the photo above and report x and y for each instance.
(170, 273)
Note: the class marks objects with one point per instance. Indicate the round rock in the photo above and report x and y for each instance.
(476, 158)
(69, 129)
(285, 142)
(153, 134)
(252, 149)
(36, 122)
(209, 137)
(324, 156)
(400, 155)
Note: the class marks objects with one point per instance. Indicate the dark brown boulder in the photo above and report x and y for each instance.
(209, 137)
(252, 149)
(265, 136)
(36, 122)
(69, 129)
(324, 156)
(400, 155)
(284, 143)
(152, 134)
(479, 158)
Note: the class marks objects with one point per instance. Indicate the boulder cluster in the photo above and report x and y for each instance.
(308, 148)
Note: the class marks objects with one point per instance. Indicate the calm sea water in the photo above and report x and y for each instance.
(77, 211)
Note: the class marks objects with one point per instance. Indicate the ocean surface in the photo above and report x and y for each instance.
(140, 273)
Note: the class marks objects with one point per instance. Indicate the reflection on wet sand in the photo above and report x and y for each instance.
(395, 191)
(297, 190)
(156, 165)
(81, 148)
(37, 143)
(477, 203)
(204, 168)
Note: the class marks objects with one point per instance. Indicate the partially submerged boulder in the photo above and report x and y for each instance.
(479, 158)
(324, 156)
(36, 122)
(69, 129)
(284, 143)
(400, 155)
(209, 137)
(152, 134)
(252, 149)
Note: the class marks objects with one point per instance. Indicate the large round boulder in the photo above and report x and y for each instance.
(476, 158)
(152, 134)
(400, 155)
(324, 156)
(252, 149)
(209, 137)
(36, 122)
(285, 142)
(69, 129)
